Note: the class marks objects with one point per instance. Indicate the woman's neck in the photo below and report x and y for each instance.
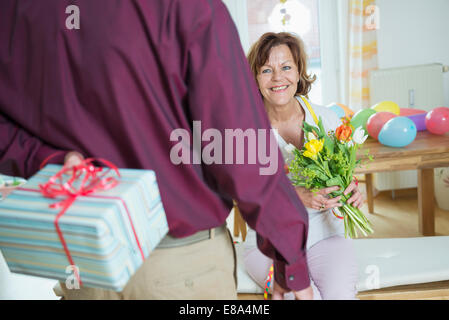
(279, 114)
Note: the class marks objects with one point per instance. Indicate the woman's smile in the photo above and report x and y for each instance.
(280, 88)
(278, 77)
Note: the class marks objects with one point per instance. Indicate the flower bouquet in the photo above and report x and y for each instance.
(329, 159)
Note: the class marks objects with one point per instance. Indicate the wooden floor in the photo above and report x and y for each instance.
(396, 216)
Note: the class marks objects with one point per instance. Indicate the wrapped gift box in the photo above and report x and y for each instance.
(108, 233)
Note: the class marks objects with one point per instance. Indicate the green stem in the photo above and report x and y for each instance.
(321, 166)
(354, 219)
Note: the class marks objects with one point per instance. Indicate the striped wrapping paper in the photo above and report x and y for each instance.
(108, 239)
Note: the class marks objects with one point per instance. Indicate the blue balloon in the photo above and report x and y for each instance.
(338, 110)
(398, 132)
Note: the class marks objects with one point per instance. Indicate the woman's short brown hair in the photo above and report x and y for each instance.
(260, 52)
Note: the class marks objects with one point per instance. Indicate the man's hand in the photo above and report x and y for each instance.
(278, 293)
(73, 158)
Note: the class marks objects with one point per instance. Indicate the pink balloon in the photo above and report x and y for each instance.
(403, 112)
(377, 121)
(437, 120)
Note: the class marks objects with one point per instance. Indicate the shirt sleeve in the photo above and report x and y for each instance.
(23, 152)
(223, 95)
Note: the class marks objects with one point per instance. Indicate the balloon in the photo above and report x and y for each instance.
(398, 132)
(403, 112)
(437, 120)
(388, 106)
(419, 120)
(377, 121)
(361, 117)
(338, 110)
(349, 113)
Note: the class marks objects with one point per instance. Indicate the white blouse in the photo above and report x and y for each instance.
(322, 224)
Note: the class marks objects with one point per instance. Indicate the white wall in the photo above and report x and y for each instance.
(414, 32)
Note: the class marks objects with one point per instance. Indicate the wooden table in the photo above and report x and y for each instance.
(426, 152)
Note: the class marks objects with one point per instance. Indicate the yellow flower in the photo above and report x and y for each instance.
(313, 147)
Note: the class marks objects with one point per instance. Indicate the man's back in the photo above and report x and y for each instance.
(119, 85)
(114, 88)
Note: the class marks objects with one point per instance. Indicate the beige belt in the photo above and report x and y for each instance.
(170, 242)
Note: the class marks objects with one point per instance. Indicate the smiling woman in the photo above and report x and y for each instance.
(278, 62)
(296, 16)
(278, 77)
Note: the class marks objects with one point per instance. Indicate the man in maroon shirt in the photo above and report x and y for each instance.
(114, 79)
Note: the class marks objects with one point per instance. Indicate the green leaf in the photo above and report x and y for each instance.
(326, 165)
(309, 128)
(320, 125)
(329, 145)
(335, 181)
(318, 171)
(341, 147)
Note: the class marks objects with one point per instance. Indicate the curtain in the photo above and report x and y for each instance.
(239, 13)
(363, 23)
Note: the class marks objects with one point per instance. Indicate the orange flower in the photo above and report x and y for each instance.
(343, 133)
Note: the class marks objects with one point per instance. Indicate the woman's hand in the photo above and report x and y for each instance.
(278, 293)
(319, 200)
(357, 198)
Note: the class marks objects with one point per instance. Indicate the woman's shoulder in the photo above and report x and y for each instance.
(318, 109)
(329, 117)
(321, 110)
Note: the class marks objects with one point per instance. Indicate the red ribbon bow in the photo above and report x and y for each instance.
(85, 179)
(90, 182)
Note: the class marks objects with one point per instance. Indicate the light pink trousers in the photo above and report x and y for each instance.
(332, 268)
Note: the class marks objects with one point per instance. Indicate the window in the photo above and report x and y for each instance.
(295, 16)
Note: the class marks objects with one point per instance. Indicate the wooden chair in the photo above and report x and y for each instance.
(368, 180)
(239, 223)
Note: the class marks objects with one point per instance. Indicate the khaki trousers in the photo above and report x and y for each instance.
(204, 270)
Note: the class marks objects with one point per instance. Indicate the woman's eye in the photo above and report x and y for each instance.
(286, 68)
(266, 71)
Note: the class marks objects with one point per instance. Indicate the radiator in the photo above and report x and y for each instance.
(416, 87)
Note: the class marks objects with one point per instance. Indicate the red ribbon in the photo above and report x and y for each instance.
(92, 180)
(336, 215)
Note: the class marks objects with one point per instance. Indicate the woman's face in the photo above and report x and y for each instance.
(278, 77)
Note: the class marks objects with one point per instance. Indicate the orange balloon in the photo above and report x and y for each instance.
(348, 112)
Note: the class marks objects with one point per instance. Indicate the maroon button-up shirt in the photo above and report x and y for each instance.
(117, 86)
